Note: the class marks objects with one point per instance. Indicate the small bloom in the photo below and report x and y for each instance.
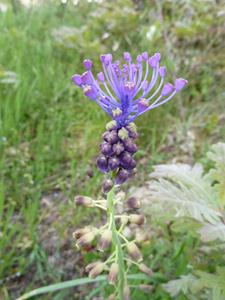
(107, 185)
(77, 79)
(84, 201)
(180, 84)
(123, 133)
(154, 60)
(101, 77)
(130, 146)
(86, 239)
(105, 240)
(137, 219)
(127, 56)
(106, 148)
(102, 163)
(113, 163)
(167, 89)
(134, 252)
(113, 273)
(118, 148)
(133, 203)
(122, 176)
(97, 269)
(90, 92)
(88, 64)
(143, 268)
(162, 71)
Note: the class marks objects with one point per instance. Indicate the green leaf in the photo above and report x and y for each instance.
(73, 283)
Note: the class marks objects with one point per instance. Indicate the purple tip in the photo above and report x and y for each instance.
(142, 105)
(180, 84)
(139, 59)
(88, 64)
(101, 77)
(154, 60)
(86, 79)
(167, 89)
(90, 92)
(145, 55)
(127, 56)
(77, 79)
(162, 71)
(102, 58)
(108, 58)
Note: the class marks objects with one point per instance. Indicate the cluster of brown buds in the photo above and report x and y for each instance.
(130, 234)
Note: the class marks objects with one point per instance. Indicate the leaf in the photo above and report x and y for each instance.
(211, 232)
(217, 155)
(183, 284)
(73, 283)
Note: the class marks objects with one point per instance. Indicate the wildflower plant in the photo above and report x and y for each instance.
(124, 91)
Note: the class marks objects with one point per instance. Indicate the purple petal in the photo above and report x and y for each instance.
(101, 77)
(142, 105)
(167, 89)
(90, 92)
(162, 71)
(154, 60)
(127, 56)
(86, 78)
(102, 58)
(88, 64)
(77, 79)
(145, 55)
(139, 59)
(180, 84)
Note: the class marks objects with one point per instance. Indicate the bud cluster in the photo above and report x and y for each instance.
(117, 150)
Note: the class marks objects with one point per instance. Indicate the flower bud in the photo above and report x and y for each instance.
(167, 89)
(162, 71)
(106, 149)
(123, 133)
(111, 297)
(102, 163)
(118, 148)
(81, 231)
(145, 55)
(105, 240)
(84, 201)
(130, 146)
(134, 252)
(142, 236)
(124, 219)
(86, 239)
(111, 125)
(107, 185)
(127, 56)
(113, 163)
(122, 176)
(113, 273)
(77, 79)
(91, 266)
(180, 84)
(88, 64)
(97, 269)
(111, 137)
(133, 203)
(137, 219)
(126, 293)
(143, 268)
(101, 76)
(132, 128)
(154, 60)
(90, 92)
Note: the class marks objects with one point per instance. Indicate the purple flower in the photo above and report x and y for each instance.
(125, 91)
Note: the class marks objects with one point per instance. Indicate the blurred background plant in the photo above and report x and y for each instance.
(48, 130)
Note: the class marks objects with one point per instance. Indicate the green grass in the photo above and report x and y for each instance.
(49, 133)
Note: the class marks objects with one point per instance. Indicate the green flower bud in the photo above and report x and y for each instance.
(134, 251)
(123, 133)
(111, 125)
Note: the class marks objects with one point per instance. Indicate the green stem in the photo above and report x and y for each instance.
(116, 243)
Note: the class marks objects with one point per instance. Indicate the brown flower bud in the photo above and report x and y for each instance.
(142, 236)
(113, 273)
(134, 251)
(111, 297)
(84, 201)
(80, 231)
(97, 269)
(91, 266)
(105, 240)
(86, 239)
(107, 185)
(133, 203)
(126, 293)
(143, 268)
(137, 219)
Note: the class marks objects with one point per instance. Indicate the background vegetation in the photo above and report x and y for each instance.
(49, 134)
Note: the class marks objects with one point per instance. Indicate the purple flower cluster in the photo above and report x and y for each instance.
(117, 150)
(125, 91)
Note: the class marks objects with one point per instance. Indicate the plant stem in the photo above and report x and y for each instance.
(116, 243)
